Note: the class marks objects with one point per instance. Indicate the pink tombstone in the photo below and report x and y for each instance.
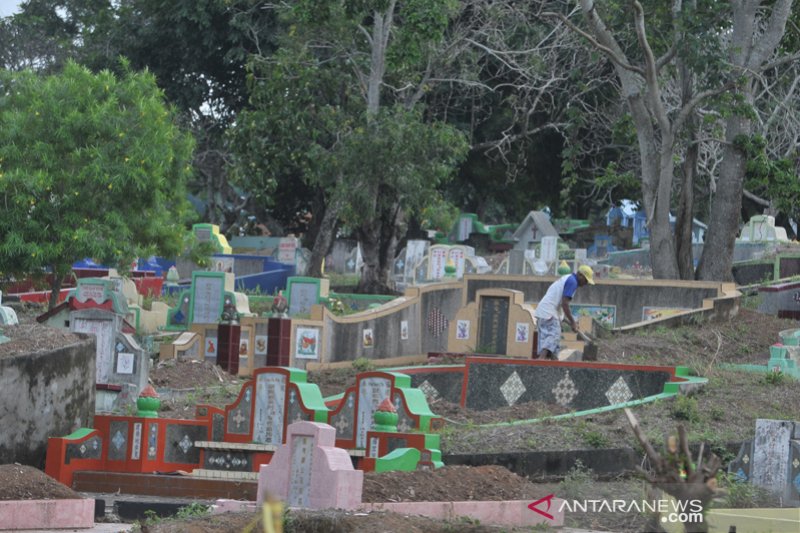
(309, 471)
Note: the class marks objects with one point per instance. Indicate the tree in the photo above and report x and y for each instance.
(91, 165)
(754, 39)
(195, 49)
(344, 100)
(692, 38)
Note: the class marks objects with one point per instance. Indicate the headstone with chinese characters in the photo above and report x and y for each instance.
(772, 460)
(287, 249)
(208, 297)
(310, 472)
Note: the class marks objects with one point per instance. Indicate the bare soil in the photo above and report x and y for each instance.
(449, 483)
(20, 482)
(30, 337)
(328, 521)
(183, 374)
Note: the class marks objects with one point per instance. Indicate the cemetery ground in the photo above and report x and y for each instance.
(720, 414)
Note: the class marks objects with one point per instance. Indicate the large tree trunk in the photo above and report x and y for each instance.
(378, 248)
(324, 238)
(55, 288)
(726, 207)
(662, 245)
(685, 215)
(753, 42)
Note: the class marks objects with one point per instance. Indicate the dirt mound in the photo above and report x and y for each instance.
(187, 373)
(449, 483)
(327, 521)
(20, 482)
(29, 337)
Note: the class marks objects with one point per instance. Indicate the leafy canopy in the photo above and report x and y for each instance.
(91, 165)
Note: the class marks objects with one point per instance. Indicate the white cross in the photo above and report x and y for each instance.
(238, 419)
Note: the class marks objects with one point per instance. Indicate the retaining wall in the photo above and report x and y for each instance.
(44, 394)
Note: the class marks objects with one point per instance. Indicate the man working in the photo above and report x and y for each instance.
(548, 314)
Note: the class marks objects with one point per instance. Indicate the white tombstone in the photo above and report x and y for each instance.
(437, 261)
(372, 391)
(549, 249)
(8, 317)
(457, 255)
(415, 251)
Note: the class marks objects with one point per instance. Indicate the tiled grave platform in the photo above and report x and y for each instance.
(176, 486)
(483, 383)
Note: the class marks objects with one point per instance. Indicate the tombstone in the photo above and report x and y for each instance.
(415, 251)
(207, 297)
(761, 228)
(516, 262)
(310, 472)
(549, 249)
(532, 230)
(8, 317)
(340, 253)
(287, 250)
(437, 259)
(772, 460)
(457, 255)
(354, 261)
(304, 293)
(493, 324)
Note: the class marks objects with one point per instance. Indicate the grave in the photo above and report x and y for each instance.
(761, 228)
(352, 414)
(497, 322)
(231, 443)
(406, 261)
(309, 471)
(532, 230)
(98, 307)
(302, 293)
(781, 299)
(210, 233)
(432, 265)
(772, 460)
(493, 382)
(8, 317)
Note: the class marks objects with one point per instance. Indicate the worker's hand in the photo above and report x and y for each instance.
(574, 326)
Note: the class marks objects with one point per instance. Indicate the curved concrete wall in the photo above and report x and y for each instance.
(629, 296)
(44, 394)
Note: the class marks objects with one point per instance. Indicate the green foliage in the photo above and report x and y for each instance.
(770, 178)
(362, 364)
(91, 165)
(742, 494)
(595, 439)
(774, 378)
(685, 408)
(193, 510)
(577, 483)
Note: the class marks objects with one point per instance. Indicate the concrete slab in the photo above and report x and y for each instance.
(753, 520)
(32, 514)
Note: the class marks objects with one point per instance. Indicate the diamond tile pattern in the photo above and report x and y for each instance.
(430, 391)
(185, 443)
(118, 440)
(565, 390)
(619, 392)
(513, 388)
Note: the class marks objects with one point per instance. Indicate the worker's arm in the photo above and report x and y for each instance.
(568, 314)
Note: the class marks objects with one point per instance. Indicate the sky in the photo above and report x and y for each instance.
(8, 7)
